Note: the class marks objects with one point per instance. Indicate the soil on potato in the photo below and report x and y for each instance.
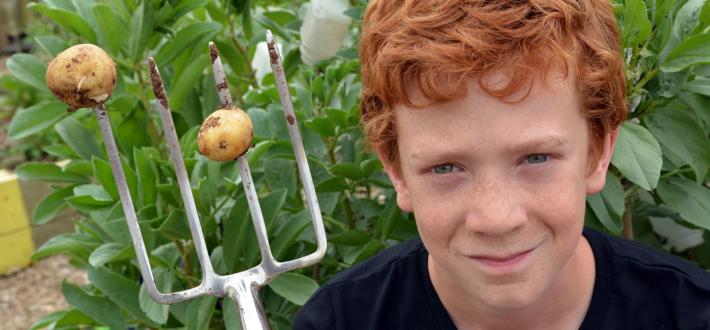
(36, 291)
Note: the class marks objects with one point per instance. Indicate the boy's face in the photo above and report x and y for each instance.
(498, 190)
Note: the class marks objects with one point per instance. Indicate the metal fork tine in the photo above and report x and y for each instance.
(124, 194)
(181, 173)
(225, 99)
(301, 160)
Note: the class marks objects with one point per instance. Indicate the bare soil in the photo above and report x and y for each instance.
(31, 293)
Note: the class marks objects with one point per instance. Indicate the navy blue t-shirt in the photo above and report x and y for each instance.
(635, 288)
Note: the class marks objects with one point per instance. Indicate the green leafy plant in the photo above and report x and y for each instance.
(355, 196)
(660, 165)
(659, 170)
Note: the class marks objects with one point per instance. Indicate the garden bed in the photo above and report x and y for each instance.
(33, 292)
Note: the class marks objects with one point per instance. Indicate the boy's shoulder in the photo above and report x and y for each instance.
(404, 254)
(639, 287)
(391, 290)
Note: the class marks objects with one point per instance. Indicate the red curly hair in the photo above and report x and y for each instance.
(406, 43)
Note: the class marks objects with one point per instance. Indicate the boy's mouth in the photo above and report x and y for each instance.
(504, 263)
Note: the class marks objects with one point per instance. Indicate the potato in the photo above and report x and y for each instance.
(225, 135)
(82, 76)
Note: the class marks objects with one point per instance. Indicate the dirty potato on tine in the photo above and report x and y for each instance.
(225, 135)
(82, 76)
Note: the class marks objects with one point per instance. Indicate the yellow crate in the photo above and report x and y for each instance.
(16, 245)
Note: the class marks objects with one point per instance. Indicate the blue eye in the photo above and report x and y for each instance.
(537, 158)
(443, 169)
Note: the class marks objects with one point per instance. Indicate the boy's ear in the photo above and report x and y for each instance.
(596, 178)
(404, 200)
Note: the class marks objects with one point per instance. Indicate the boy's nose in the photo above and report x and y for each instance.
(494, 209)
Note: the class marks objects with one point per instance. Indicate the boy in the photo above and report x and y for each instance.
(494, 120)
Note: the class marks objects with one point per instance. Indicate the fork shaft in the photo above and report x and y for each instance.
(246, 299)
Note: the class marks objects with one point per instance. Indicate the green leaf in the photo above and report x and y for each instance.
(28, 69)
(272, 204)
(60, 150)
(93, 193)
(146, 173)
(295, 287)
(686, 19)
(389, 218)
(46, 172)
(231, 318)
(166, 255)
(281, 174)
(705, 13)
(255, 153)
(348, 170)
(60, 319)
(354, 13)
(175, 226)
(287, 236)
(637, 27)
(369, 166)
(185, 82)
(79, 166)
(186, 38)
(692, 51)
(98, 308)
(51, 45)
(689, 199)
(110, 26)
(35, 119)
(367, 251)
(140, 29)
(68, 20)
(638, 156)
(699, 85)
(79, 138)
(200, 313)
(321, 125)
(352, 237)
(608, 205)
(103, 174)
(217, 259)
(110, 252)
(334, 184)
(154, 310)
(120, 290)
(66, 243)
(683, 137)
(50, 205)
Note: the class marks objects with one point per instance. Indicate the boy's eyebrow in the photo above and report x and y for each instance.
(535, 144)
(549, 141)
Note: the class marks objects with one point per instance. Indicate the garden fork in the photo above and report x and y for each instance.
(243, 287)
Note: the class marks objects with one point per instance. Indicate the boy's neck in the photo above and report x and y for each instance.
(563, 305)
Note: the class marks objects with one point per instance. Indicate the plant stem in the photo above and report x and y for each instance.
(334, 222)
(347, 209)
(628, 226)
(316, 272)
(243, 52)
(676, 172)
(187, 266)
(645, 80)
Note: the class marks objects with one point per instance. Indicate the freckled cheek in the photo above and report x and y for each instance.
(559, 205)
(437, 220)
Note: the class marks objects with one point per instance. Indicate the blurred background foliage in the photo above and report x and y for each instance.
(657, 190)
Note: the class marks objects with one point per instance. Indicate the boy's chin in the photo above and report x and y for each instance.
(511, 297)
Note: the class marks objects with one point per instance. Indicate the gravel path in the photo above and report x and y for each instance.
(33, 292)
